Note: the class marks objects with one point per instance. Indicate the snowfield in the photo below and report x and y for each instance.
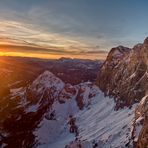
(109, 128)
(96, 117)
(97, 122)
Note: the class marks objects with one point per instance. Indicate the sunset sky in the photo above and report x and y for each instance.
(70, 28)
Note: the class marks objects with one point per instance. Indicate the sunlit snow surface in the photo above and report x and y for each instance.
(101, 122)
(98, 121)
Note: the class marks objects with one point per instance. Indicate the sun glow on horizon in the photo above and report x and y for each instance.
(51, 56)
(31, 55)
(28, 40)
(48, 53)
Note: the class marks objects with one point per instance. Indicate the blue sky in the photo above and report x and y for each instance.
(73, 27)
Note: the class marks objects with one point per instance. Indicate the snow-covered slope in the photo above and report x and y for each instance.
(96, 118)
(28, 109)
(108, 127)
(95, 115)
(97, 122)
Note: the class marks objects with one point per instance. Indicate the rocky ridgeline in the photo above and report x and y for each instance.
(124, 74)
(140, 130)
(27, 106)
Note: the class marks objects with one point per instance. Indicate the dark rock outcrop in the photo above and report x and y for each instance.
(124, 74)
(140, 130)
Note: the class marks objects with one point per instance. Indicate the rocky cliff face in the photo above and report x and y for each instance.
(124, 74)
(140, 128)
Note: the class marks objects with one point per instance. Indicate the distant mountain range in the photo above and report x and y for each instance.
(18, 72)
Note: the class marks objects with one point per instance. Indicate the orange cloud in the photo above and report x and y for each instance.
(29, 51)
(19, 39)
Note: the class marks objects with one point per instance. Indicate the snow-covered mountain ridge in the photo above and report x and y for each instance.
(96, 118)
(27, 106)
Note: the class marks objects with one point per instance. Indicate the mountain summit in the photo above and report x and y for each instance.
(124, 74)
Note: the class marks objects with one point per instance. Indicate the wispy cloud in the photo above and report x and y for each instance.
(25, 38)
(70, 27)
(26, 33)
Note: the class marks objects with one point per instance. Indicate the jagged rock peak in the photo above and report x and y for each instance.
(47, 80)
(124, 74)
(138, 46)
(46, 73)
(45, 76)
(118, 52)
(146, 41)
